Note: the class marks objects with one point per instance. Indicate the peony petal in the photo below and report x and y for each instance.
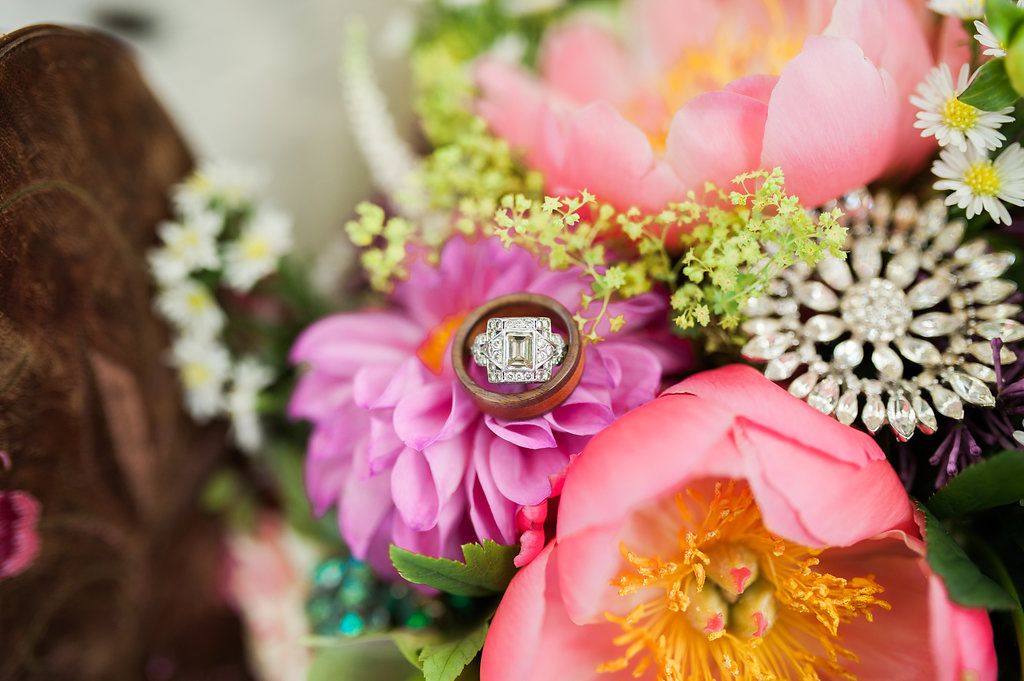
(790, 481)
(961, 638)
(754, 397)
(757, 87)
(606, 483)
(892, 645)
(583, 61)
(715, 137)
(610, 156)
(827, 139)
(531, 636)
(514, 106)
(433, 412)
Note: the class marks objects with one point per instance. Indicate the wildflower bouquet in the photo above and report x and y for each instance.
(689, 348)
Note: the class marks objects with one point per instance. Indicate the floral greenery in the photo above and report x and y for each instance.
(468, 167)
(736, 242)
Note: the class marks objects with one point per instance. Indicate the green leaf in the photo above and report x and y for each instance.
(991, 89)
(997, 481)
(372, 658)
(411, 643)
(488, 569)
(1014, 62)
(445, 661)
(1004, 18)
(964, 581)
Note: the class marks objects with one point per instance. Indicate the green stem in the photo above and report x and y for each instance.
(1003, 578)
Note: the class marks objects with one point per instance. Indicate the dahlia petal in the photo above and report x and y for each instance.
(635, 374)
(328, 460)
(414, 491)
(531, 636)
(715, 137)
(362, 509)
(318, 395)
(383, 446)
(343, 343)
(825, 140)
(581, 418)
(381, 387)
(435, 411)
(533, 433)
(447, 460)
(583, 61)
(524, 477)
(493, 515)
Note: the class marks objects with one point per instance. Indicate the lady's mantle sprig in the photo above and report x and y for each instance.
(222, 242)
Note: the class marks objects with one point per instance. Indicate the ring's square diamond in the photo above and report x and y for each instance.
(518, 350)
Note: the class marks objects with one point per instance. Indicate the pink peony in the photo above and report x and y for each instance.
(398, 446)
(703, 90)
(726, 530)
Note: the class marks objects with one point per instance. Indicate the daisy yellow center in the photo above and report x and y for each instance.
(198, 300)
(733, 601)
(958, 115)
(431, 350)
(255, 248)
(983, 178)
(728, 54)
(195, 375)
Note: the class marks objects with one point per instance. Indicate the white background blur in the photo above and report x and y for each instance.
(254, 81)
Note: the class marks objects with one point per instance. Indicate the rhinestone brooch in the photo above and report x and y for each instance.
(901, 330)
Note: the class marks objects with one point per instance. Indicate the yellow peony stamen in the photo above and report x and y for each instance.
(431, 350)
(731, 54)
(958, 115)
(983, 178)
(735, 601)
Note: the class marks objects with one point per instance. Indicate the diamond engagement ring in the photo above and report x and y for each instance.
(518, 350)
(512, 337)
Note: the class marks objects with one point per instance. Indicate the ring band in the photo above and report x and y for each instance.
(539, 400)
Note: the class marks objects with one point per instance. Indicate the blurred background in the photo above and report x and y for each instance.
(256, 82)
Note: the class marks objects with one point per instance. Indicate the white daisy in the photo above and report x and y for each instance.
(979, 183)
(951, 121)
(964, 9)
(250, 377)
(203, 366)
(188, 246)
(988, 39)
(191, 307)
(255, 253)
(228, 186)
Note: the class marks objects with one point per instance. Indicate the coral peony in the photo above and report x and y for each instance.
(726, 530)
(399, 447)
(704, 90)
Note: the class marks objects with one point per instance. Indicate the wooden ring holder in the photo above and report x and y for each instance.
(536, 401)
